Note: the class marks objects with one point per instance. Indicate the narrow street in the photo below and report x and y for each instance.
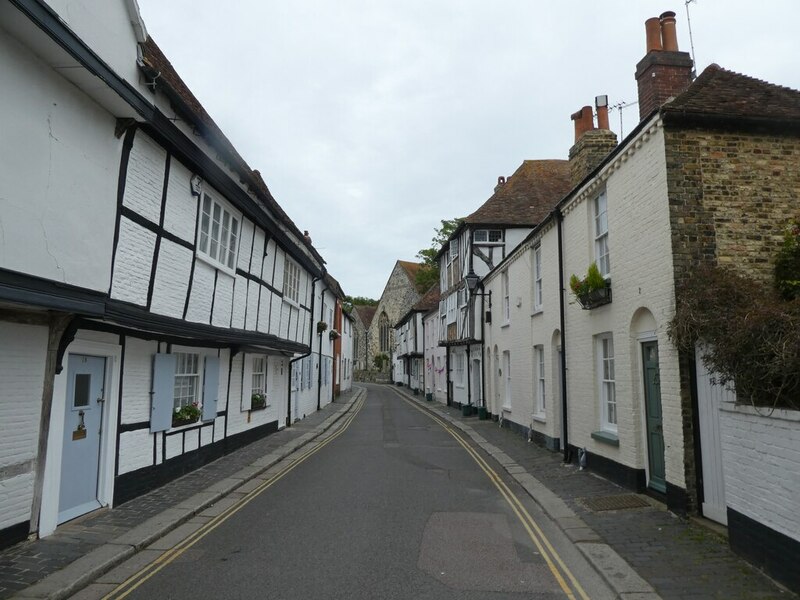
(390, 505)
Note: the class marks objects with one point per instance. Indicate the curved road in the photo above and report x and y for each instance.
(390, 506)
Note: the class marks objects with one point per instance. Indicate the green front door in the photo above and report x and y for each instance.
(655, 433)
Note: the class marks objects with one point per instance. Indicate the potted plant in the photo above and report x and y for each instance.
(334, 334)
(321, 327)
(258, 401)
(591, 291)
(185, 415)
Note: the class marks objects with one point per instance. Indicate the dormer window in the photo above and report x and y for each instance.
(488, 236)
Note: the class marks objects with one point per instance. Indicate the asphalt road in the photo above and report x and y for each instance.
(393, 507)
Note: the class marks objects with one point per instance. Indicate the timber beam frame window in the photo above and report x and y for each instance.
(291, 282)
(219, 231)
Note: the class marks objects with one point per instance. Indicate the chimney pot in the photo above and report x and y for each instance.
(583, 121)
(669, 36)
(652, 28)
(501, 180)
(601, 103)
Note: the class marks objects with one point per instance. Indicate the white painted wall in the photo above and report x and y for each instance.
(23, 350)
(761, 458)
(642, 276)
(58, 163)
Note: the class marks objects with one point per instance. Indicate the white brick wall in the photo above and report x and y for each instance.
(201, 294)
(172, 279)
(23, 351)
(761, 459)
(642, 276)
(144, 185)
(223, 301)
(133, 262)
(136, 381)
(135, 450)
(180, 212)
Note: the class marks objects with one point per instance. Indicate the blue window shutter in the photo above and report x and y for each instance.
(210, 388)
(161, 398)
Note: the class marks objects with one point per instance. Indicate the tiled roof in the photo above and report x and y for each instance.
(718, 92)
(527, 196)
(334, 286)
(366, 313)
(155, 60)
(430, 300)
(411, 269)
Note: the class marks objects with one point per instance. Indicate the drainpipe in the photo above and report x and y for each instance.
(483, 343)
(294, 360)
(447, 377)
(562, 313)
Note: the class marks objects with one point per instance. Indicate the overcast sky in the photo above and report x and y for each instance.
(373, 120)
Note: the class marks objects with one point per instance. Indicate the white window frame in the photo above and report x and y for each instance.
(187, 389)
(600, 219)
(227, 240)
(506, 297)
(459, 369)
(541, 398)
(604, 345)
(258, 377)
(291, 281)
(537, 278)
(507, 380)
(484, 236)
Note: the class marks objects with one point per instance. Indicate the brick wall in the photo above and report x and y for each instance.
(761, 459)
(592, 147)
(730, 196)
(23, 351)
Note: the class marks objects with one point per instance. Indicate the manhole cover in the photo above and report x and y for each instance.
(620, 502)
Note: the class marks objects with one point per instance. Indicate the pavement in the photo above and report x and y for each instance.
(643, 553)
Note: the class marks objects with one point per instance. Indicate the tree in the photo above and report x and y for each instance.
(428, 274)
(351, 301)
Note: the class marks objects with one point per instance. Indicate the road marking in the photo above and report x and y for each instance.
(138, 578)
(551, 557)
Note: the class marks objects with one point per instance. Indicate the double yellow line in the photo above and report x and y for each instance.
(138, 578)
(554, 562)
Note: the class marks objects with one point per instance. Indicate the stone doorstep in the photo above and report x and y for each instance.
(90, 567)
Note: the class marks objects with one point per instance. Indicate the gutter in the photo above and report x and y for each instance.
(301, 357)
(562, 311)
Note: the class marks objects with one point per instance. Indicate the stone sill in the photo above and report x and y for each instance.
(606, 437)
(763, 412)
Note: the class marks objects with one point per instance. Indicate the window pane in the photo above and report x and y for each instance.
(81, 393)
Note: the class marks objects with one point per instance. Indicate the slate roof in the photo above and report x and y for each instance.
(526, 197)
(366, 313)
(720, 93)
(157, 63)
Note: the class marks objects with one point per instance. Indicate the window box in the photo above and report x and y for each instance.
(258, 402)
(594, 298)
(186, 415)
(593, 290)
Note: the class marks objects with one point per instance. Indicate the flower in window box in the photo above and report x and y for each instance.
(185, 415)
(321, 327)
(591, 291)
(334, 334)
(258, 401)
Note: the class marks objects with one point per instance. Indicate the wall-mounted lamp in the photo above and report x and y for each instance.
(196, 183)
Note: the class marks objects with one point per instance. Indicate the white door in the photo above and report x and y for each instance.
(80, 457)
(709, 398)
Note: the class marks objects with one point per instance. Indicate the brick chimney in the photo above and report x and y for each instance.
(592, 144)
(664, 72)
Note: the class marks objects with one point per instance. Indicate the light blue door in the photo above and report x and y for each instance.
(80, 458)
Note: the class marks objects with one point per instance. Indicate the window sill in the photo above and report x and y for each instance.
(216, 264)
(537, 311)
(542, 418)
(606, 437)
(505, 324)
(506, 409)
